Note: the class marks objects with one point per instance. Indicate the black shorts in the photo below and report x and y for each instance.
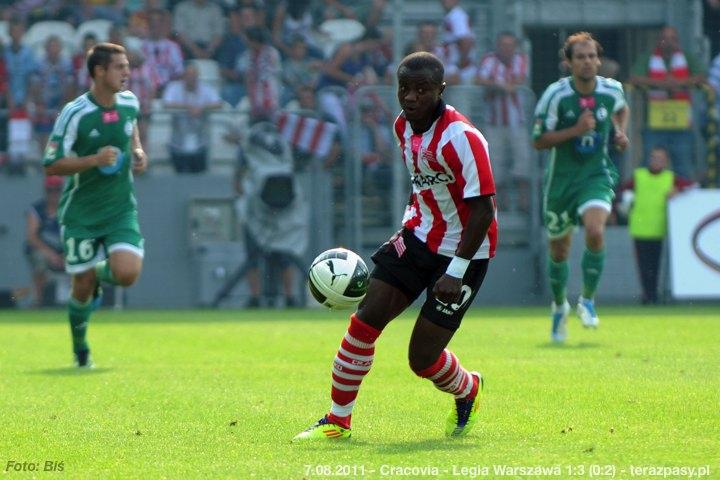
(407, 264)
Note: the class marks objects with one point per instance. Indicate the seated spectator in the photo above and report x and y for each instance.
(352, 66)
(191, 99)
(84, 10)
(162, 54)
(3, 107)
(260, 67)
(79, 62)
(55, 87)
(299, 69)
(426, 40)
(292, 21)
(374, 146)
(232, 46)
(43, 247)
(199, 26)
(668, 73)
(143, 84)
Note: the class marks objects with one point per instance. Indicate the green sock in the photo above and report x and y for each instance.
(592, 267)
(79, 314)
(558, 272)
(103, 272)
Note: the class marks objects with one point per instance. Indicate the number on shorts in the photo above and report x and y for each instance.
(85, 250)
(553, 219)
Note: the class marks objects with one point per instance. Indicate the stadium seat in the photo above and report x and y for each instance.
(98, 26)
(337, 31)
(209, 72)
(4, 33)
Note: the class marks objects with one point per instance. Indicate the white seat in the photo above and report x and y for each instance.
(209, 72)
(99, 27)
(4, 32)
(337, 31)
(39, 32)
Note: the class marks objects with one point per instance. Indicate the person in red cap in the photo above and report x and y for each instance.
(43, 247)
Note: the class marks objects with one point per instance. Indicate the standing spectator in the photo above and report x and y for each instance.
(648, 192)
(458, 38)
(162, 54)
(199, 26)
(55, 87)
(21, 65)
(22, 70)
(82, 77)
(232, 46)
(191, 99)
(261, 68)
(43, 247)
(668, 72)
(501, 73)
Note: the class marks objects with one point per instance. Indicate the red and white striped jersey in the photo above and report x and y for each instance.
(447, 164)
(505, 108)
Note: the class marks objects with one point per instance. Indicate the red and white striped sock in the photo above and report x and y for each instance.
(352, 362)
(449, 376)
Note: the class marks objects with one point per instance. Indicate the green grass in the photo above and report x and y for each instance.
(206, 394)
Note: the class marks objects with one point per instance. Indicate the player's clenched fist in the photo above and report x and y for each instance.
(106, 156)
(586, 122)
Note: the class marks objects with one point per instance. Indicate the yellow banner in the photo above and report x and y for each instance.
(669, 114)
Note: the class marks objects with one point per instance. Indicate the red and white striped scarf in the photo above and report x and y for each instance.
(679, 69)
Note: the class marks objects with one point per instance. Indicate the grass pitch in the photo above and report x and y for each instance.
(219, 394)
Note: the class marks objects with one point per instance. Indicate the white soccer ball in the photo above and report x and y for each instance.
(338, 278)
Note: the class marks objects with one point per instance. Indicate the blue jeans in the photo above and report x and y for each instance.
(679, 143)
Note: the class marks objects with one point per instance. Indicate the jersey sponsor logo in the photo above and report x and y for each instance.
(128, 127)
(587, 102)
(110, 117)
(440, 178)
(94, 133)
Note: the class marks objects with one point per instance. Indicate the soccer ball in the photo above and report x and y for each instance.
(338, 278)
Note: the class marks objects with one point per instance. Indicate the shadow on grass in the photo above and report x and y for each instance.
(70, 371)
(568, 346)
(400, 447)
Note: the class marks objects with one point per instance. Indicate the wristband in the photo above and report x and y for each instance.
(457, 267)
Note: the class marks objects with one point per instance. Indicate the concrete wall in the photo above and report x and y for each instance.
(172, 277)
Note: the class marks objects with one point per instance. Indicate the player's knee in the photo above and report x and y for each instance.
(594, 236)
(83, 285)
(420, 361)
(125, 276)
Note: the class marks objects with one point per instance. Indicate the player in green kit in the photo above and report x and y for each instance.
(573, 119)
(96, 143)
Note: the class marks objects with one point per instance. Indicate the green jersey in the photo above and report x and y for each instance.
(560, 107)
(96, 197)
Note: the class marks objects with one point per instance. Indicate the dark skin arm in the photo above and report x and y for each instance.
(482, 213)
